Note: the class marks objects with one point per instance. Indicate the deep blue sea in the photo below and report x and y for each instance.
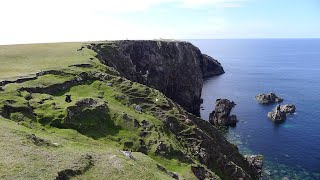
(291, 69)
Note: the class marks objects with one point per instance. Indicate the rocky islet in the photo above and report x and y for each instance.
(268, 98)
(221, 114)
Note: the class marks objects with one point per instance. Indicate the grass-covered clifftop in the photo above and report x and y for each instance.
(44, 137)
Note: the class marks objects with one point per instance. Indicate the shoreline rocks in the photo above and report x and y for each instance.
(268, 98)
(256, 162)
(221, 114)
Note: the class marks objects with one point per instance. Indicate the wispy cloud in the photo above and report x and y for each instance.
(212, 3)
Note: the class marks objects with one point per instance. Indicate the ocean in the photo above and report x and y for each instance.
(291, 69)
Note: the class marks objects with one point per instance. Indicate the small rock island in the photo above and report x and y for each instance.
(221, 114)
(268, 98)
(279, 113)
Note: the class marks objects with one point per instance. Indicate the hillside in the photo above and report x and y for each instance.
(45, 137)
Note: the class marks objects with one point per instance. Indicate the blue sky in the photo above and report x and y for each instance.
(83, 20)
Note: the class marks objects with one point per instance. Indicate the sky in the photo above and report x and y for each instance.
(37, 21)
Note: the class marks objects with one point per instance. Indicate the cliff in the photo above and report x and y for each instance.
(175, 68)
(112, 128)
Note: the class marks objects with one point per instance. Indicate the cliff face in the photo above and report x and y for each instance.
(175, 68)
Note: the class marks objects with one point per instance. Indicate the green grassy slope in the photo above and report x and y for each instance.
(21, 159)
(69, 133)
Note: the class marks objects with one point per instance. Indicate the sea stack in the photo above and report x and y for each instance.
(221, 114)
(280, 112)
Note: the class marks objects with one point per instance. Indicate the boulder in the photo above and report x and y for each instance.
(268, 98)
(221, 115)
(138, 108)
(128, 154)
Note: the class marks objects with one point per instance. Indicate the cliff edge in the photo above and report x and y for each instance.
(175, 68)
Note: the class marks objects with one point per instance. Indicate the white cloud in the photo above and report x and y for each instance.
(30, 21)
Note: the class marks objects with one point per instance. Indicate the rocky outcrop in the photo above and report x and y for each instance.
(214, 151)
(268, 98)
(277, 114)
(40, 141)
(175, 68)
(174, 175)
(210, 67)
(201, 173)
(256, 162)
(85, 116)
(288, 108)
(221, 114)
(280, 112)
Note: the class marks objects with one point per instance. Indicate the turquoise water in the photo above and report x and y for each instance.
(291, 69)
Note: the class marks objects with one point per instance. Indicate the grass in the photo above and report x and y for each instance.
(21, 159)
(22, 60)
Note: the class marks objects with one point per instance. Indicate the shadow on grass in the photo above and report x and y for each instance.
(92, 124)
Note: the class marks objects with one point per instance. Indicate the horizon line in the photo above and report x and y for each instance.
(178, 39)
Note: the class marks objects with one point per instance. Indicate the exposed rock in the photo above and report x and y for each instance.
(174, 175)
(56, 88)
(280, 112)
(143, 149)
(143, 134)
(162, 147)
(119, 97)
(136, 123)
(80, 167)
(86, 115)
(221, 115)
(68, 98)
(144, 123)
(82, 65)
(80, 48)
(268, 98)
(138, 108)
(126, 118)
(256, 162)
(288, 108)
(208, 146)
(201, 173)
(175, 68)
(128, 154)
(25, 111)
(277, 114)
(210, 67)
(40, 141)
